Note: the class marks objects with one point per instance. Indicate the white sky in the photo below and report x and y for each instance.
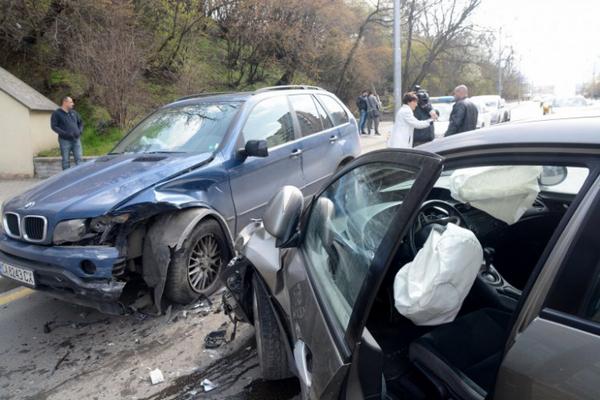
(557, 41)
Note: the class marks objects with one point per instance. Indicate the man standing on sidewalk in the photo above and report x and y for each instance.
(464, 113)
(373, 109)
(361, 103)
(68, 124)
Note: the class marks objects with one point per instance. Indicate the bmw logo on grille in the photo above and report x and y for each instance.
(29, 205)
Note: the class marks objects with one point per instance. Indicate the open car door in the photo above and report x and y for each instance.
(350, 232)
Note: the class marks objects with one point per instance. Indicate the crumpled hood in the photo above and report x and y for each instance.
(95, 187)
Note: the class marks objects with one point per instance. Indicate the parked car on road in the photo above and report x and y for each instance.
(494, 105)
(467, 269)
(568, 105)
(506, 111)
(162, 208)
(444, 105)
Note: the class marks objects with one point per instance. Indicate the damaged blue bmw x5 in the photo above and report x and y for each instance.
(162, 208)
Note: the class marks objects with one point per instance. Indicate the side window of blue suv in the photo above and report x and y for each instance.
(308, 116)
(270, 120)
(335, 109)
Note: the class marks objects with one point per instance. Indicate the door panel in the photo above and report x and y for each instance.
(254, 180)
(349, 233)
(322, 149)
(551, 361)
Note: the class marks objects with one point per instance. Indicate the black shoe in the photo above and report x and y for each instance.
(363, 133)
(377, 133)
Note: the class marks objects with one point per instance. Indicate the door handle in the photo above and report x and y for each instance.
(333, 138)
(303, 358)
(296, 153)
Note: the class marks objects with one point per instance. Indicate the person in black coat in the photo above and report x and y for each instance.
(464, 114)
(424, 112)
(361, 103)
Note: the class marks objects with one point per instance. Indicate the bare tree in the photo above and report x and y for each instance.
(380, 15)
(443, 29)
(108, 52)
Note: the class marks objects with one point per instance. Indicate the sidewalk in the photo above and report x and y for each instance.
(372, 142)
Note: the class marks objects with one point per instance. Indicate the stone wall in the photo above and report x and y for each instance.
(45, 167)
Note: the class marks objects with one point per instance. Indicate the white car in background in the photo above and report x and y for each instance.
(444, 106)
(495, 106)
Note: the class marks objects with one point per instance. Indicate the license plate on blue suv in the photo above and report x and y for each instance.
(20, 274)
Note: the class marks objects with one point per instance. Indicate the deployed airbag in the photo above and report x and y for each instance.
(505, 192)
(431, 289)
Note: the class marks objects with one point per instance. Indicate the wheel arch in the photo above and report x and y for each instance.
(165, 237)
(183, 222)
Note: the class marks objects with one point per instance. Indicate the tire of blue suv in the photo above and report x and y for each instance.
(195, 267)
(272, 355)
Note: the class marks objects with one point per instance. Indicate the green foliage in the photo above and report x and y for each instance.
(93, 144)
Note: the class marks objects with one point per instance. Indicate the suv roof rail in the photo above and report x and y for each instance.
(193, 96)
(288, 87)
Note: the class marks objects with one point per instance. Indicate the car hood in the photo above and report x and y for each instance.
(97, 186)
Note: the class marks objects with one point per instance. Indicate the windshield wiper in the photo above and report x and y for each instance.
(165, 152)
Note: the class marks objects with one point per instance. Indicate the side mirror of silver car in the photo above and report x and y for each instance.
(282, 215)
(552, 176)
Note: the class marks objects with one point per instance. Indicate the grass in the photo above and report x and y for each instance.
(92, 143)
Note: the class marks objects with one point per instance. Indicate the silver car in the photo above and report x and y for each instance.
(337, 289)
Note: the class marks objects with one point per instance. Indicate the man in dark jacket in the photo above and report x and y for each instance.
(361, 103)
(66, 122)
(463, 117)
(423, 112)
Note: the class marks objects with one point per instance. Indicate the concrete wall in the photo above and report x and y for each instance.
(45, 167)
(42, 136)
(15, 139)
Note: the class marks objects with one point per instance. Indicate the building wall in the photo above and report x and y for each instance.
(42, 136)
(16, 157)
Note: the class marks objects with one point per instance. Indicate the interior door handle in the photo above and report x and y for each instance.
(296, 153)
(303, 358)
(333, 138)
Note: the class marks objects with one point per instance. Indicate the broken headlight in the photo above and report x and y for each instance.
(105, 222)
(72, 230)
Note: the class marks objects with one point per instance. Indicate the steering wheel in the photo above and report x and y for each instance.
(432, 214)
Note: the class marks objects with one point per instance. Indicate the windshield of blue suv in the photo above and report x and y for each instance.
(192, 128)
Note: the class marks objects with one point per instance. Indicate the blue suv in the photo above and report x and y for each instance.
(162, 208)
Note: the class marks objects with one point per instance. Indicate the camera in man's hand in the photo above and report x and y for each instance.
(422, 95)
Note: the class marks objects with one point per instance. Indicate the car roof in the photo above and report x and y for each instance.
(442, 99)
(557, 133)
(244, 96)
(486, 96)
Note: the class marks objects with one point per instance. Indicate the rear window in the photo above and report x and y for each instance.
(337, 112)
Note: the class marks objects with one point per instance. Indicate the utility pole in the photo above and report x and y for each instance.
(500, 63)
(397, 59)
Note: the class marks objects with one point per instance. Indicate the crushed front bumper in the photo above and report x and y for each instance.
(58, 272)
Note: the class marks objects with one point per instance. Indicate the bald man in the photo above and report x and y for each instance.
(463, 117)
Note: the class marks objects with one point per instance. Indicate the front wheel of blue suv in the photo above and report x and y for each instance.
(195, 267)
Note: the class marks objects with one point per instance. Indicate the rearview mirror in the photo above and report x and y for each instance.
(255, 148)
(282, 215)
(552, 176)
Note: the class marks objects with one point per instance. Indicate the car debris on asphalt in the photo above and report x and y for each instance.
(156, 376)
